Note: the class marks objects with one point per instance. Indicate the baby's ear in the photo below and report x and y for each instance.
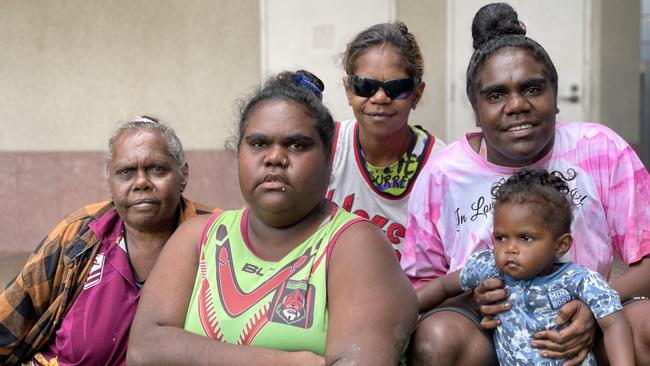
(563, 244)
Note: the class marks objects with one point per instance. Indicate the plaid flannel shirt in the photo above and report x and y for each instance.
(33, 305)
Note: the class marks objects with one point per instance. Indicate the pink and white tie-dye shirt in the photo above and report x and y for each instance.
(450, 208)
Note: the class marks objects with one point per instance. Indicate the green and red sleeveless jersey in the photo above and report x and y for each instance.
(242, 299)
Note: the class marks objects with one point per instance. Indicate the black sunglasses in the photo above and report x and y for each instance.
(394, 89)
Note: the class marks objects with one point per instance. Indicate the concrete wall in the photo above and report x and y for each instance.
(71, 70)
(38, 189)
(617, 42)
(427, 19)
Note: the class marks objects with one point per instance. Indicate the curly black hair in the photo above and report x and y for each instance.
(547, 193)
(301, 87)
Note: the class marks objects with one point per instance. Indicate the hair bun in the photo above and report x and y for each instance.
(495, 20)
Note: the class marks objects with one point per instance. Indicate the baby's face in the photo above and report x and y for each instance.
(524, 246)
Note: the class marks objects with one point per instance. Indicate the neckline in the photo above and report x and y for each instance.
(424, 149)
(408, 151)
(537, 280)
(243, 229)
(124, 240)
(483, 161)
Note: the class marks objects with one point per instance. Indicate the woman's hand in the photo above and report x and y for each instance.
(489, 300)
(573, 342)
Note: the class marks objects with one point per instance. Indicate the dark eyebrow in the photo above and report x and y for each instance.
(501, 88)
(159, 162)
(496, 88)
(304, 139)
(533, 82)
(297, 137)
(118, 167)
(255, 136)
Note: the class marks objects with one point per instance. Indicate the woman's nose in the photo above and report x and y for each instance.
(141, 180)
(276, 156)
(516, 103)
(380, 97)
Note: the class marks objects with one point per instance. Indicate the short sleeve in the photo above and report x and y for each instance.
(479, 267)
(628, 212)
(596, 293)
(624, 188)
(423, 253)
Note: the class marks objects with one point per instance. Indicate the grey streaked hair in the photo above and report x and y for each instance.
(147, 123)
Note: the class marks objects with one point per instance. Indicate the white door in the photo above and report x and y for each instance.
(312, 35)
(560, 26)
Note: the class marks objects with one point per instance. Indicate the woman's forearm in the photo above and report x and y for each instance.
(634, 281)
(618, 339)
(174, 346)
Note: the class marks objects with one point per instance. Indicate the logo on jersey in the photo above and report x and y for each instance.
(293, 304)
(251, 268)
(558, 298)
(95, 274)
(292, 299)
(234, 300)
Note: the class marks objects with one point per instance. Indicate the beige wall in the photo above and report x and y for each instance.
(38, 189)
(616, 56)
(70, 70)
(427, 19)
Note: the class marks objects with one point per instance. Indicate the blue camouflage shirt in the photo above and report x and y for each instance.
(535, 303)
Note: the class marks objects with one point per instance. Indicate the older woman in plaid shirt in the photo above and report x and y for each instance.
(74, 300)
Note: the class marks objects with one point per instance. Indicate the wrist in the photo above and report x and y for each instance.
(632, 299)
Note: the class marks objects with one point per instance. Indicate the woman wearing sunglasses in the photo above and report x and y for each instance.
(377, 156)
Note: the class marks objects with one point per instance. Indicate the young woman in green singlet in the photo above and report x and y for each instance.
(290, 280)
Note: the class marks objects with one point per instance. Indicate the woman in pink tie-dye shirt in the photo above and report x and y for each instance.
(512, 85)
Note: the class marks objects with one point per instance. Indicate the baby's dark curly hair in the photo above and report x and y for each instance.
(546, 193)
